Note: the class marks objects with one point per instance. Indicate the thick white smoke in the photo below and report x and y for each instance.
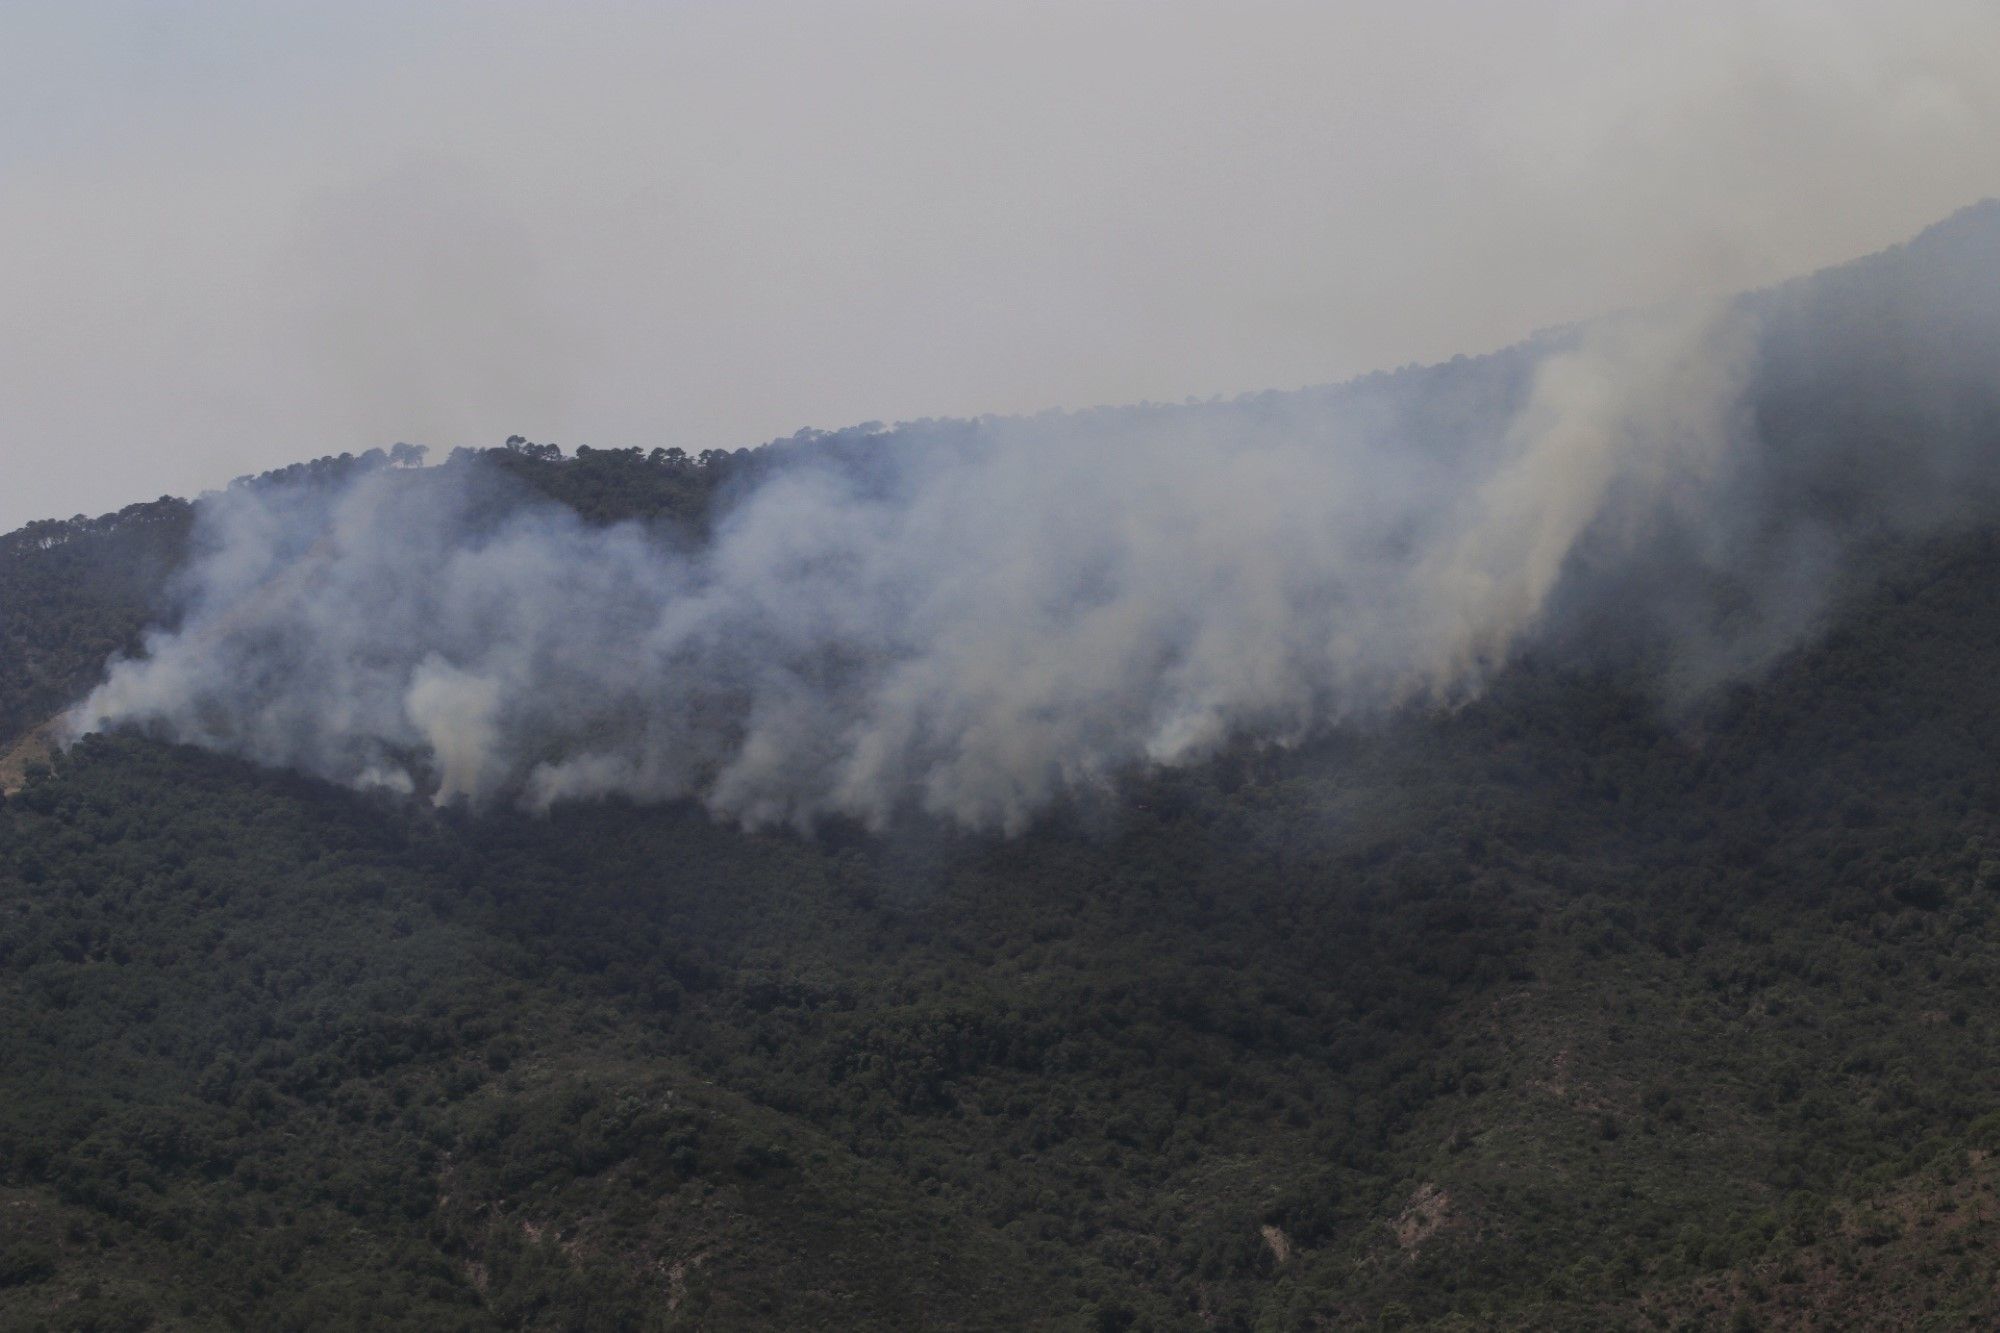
(973, 619)
(970, 625)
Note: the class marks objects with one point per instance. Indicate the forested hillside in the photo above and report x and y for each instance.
(72, 593)
(1599, 999)
(1544, 1013)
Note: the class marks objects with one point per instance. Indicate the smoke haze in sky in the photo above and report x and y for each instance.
(235, 234)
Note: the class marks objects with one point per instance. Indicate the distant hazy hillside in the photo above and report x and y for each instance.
(1649, 985)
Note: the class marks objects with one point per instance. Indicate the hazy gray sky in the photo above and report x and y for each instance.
(233, 235)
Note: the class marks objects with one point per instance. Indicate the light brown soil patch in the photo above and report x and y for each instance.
(1280, 1243)
(33, 748)
(1427, 1213)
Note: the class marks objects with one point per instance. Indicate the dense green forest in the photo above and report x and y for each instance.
(1552, 1011)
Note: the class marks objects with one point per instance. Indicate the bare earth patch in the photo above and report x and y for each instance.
(1427, 1213)
(1280, 1243)
(33, 748)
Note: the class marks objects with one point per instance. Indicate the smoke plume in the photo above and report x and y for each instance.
(974, 619)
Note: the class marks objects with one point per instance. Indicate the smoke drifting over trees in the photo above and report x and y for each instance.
(973, 619)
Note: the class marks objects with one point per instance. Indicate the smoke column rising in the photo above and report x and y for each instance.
(975, 619)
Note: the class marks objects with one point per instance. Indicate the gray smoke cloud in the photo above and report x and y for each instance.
(974, 619)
